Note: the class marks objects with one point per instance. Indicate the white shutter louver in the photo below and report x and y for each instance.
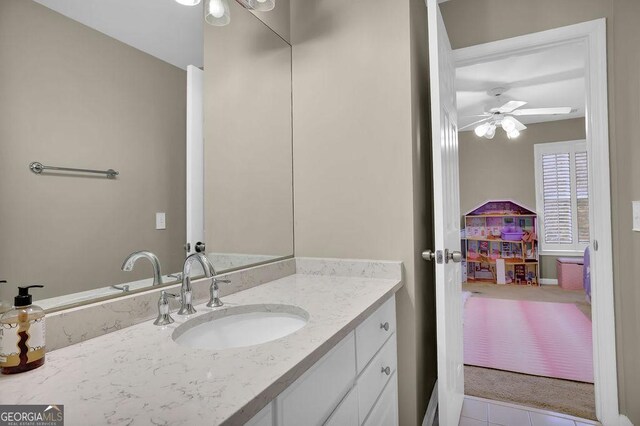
(582, 196)
(556, 181)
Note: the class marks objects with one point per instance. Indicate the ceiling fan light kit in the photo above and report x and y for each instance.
(505, 117)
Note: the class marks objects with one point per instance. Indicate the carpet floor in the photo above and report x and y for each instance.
(563, 396)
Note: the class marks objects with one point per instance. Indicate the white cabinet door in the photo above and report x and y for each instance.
(311, 399)
(385, 412)
(347, 412)
(374, 331)
(374, 378)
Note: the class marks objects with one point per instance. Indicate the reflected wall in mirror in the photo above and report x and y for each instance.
(248, 142)
(96, 85)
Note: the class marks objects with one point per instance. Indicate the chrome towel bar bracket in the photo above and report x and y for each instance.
(38, 168)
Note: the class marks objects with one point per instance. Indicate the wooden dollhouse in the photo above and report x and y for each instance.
(501, 244)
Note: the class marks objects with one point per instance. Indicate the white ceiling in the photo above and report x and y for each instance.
(552, 77)
(162, 28)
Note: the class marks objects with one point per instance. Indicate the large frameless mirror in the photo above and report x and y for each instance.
(133, 126)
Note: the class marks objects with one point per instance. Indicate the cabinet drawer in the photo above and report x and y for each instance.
(347, 412)
(374, 378)
(372, 333)
(263, 418)
(385, 412)
(311, 399)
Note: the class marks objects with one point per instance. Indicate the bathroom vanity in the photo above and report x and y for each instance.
(355, 383)
(338, 369)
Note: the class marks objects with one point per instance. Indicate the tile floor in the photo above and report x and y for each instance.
(484, 412)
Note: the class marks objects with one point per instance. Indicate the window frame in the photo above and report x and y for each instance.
(571, 147)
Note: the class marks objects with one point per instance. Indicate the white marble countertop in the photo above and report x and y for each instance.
(139, 375)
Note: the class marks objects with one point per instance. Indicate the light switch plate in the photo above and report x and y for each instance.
(636, 216)
(161, 220)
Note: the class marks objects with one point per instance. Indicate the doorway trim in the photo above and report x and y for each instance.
(593, 35)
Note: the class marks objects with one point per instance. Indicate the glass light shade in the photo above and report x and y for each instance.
(481, 130)
(188, 2)
(508, 125)
(259, 5)
(491, 132)
(513, 134)
(216, 12)
(264, 5)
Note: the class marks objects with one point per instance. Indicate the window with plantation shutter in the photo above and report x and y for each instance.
(562, 196)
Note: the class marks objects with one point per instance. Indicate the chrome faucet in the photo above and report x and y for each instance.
(155, 262)
(164, 312)
(214, 292)
(185, 291)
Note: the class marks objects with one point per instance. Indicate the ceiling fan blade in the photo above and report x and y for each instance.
(543, 111)
(473, 124)
(519, 126)
(477, 115)
(509, 106)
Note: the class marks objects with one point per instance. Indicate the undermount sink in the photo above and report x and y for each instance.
(240, 326)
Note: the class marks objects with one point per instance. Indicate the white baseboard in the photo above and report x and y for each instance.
(548, 281)
(430, 415)
(624, 421)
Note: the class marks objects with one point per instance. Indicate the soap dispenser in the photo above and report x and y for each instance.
(4, 306)
(22, 335)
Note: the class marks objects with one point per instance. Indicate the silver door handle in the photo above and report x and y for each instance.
(454, 256)
(428, 255)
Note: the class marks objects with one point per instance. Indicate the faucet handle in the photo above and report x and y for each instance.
(164, 311)
(214, 292)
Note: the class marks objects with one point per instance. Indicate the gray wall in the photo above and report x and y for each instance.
(472, 22)
(71, 96)
(360, 124)
(500, 168)
(248, 140)
(278, 19)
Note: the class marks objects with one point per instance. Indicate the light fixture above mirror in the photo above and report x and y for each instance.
(216, 12)
(188, 2)
(259, 5)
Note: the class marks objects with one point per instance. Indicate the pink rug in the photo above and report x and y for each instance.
(538, 338)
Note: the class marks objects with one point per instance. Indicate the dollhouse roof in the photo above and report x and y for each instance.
(507, 207)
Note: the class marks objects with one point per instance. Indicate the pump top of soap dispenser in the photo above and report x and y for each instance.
(24, 298)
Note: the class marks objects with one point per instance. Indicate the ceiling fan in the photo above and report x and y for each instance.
(505, 116)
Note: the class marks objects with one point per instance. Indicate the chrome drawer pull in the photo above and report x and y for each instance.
(386, 370)
(385, 326)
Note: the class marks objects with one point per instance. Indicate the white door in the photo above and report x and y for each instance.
(444, 122)
(195, 158)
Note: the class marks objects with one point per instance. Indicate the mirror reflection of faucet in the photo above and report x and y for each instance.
(131, 260)
(124, 288)
(177, 276)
